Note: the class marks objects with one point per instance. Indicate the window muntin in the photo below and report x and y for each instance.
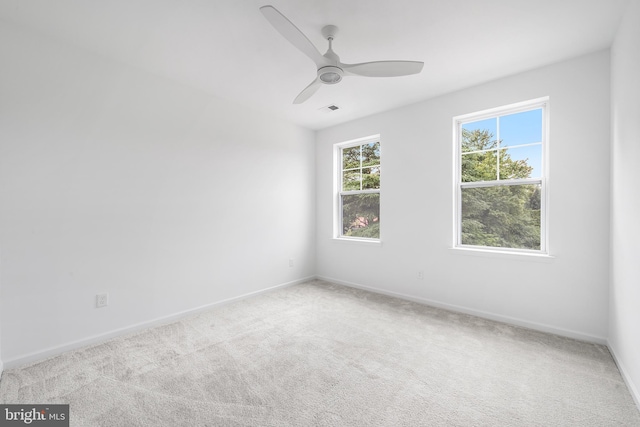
(500, 181)
(358, 195)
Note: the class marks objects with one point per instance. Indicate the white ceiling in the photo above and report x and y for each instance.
(227, 48)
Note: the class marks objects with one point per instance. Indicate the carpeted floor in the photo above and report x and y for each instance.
(325, 355)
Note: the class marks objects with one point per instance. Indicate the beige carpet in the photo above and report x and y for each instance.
(325, 355)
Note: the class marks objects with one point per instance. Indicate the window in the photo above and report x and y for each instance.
(358, 189)
(500, 189)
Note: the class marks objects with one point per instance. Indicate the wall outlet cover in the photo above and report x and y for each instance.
(102, 300)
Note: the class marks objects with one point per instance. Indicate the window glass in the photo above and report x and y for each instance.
(371, 178)
(522, 162)
(521, 128)
(506, 216)
(351, 158)
(480, 135)
(361, 215)
(351, 180)
(500, 179)
(479, 166)
(359, 190)
(371, 154)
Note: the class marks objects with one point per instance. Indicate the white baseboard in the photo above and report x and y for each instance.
(635, 392)
(479, 313)
(95, 339)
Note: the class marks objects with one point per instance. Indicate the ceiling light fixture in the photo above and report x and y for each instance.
(330, 69)
(330, 75)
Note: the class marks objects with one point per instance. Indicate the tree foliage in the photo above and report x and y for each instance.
(361, 215)
(361, 171)
(501, 215)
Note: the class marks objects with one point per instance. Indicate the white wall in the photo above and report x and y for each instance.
(1, 362)
(569, 294)
(115, 180)
(624, 309)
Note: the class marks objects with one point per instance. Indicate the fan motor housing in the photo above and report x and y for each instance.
(330, 75)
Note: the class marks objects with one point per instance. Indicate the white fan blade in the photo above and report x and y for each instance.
(293, 34)
(308, 91)
(383, 68)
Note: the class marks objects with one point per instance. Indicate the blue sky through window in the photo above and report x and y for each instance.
(521, 128)
(516, 130)
(532, 154)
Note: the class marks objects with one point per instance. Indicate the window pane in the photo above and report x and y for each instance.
(351, 180)
(479, 135)
(505, 216)
(351, 158)
(361, 215)
(521, 162)
(521, 128)
(479, 167)
(371, 154)
(371, 178)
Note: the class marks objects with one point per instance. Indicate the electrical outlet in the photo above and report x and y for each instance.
(290, 262)
(102, 300)
(420, 275)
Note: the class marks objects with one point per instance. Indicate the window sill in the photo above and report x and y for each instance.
(489, 253)
(350, 240)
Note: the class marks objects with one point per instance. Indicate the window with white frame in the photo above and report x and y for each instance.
(358, 189)
(500, 186)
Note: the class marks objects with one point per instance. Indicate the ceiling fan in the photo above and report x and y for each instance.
(330, 69)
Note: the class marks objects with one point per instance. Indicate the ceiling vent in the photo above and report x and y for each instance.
(330, 108)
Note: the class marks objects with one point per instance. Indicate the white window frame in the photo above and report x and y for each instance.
(337, 188)
(458, 185)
